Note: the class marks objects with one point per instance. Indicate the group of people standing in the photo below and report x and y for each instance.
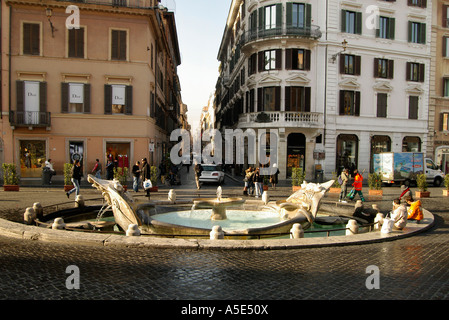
(254, 181)
(140, 174)
(357, 186)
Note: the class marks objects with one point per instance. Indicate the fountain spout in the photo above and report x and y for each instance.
(219, 193)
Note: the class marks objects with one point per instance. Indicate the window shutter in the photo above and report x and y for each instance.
(307, 98)
(64, 97)
(80, 42)
(422, 68)
(261, 61)
(129, 100)
(308, 18)
(279, 15)
(307, 58)
(342, 63)
(444, 22)
(441, 121)
(391, 28)
(259, 99)
(288, 59)
(20, 91)
(410, 24)
(422, 33)
(342, 102)
(445, 39)
(278, 59)
(376, 67)
(343, 20)
(35, 42)
(86, 88)
(122, 46)
(357, 65)
(287, 99)
(358, 22)
(289, 14)
(357, 103)
(390, 69)
(261, 19)
(408, 72)
(43, 96)
(114, 44)
(107, 99)
(277, 98)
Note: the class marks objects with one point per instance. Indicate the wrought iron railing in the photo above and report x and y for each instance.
(312, 32)
(30, 118)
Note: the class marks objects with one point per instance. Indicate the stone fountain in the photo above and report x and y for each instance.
(218, 205)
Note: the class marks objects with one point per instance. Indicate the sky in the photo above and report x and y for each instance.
(200, 25)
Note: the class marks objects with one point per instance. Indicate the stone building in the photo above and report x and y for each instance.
(87, 80)
(337, 80)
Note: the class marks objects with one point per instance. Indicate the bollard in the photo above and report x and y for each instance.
(29, 215)
(352, 227)
(379, 220)
(133, 230)
(58, 224)
(216, 233)
(265, 197)
(79, 201)
(296, 231)
(172, 195)
(39, 210)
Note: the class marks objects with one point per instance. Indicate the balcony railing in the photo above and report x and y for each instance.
(30, 119)
(312, 32)
(281, 119)
(141, 4)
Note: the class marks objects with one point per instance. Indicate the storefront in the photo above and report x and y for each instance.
(347, 152)
(296, 152)
(379, 144)
(32, 154)
(119, 153)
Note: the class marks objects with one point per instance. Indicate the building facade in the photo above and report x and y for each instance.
(102, 84)
(439, 93)
(337, 80)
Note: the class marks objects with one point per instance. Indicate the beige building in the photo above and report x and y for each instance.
(107, 88)
(439, 93)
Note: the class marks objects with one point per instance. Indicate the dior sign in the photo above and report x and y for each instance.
(260, 149)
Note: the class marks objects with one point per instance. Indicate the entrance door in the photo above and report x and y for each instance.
(296, 152)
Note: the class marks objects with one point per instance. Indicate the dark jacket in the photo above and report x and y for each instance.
(145, 171)
(76, 172)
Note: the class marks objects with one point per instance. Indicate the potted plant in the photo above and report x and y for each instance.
(446, 184)
(336, 187)
(153, 178)
(121, 174)
(375, 184)
(422, 186)
(68, 185)
(297, 178)
(10, 178)
(266, 179)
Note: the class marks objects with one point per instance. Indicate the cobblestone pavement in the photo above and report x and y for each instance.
(412, 268)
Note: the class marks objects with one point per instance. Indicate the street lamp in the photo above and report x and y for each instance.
(344, 45)
(49, 13)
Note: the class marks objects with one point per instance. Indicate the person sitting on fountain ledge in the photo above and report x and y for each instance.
(399, 215)
(414, 212)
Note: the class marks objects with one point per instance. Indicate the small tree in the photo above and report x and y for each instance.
(446, 181)
(375, 181)
(68, 174)
(298, 176)
(10, 176)
(335, 178)
(121, 174)
(421, 181)
(153, 175)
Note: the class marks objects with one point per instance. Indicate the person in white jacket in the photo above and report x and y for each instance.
(399, 215)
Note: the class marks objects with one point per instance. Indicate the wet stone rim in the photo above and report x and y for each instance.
(26, 232)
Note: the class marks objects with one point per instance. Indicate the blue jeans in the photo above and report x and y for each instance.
(136, 184)
(76, 183)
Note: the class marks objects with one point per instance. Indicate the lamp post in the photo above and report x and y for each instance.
(49, 13)
(344, 45)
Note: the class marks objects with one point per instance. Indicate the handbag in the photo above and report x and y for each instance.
(147, 184)
(387, 225)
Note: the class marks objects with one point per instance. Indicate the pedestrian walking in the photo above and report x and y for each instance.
(358, 180)
(145, 173)
(344, 178)
(274, 177)
(49, 166)
(110, 170)
(76, 178)
(258, 181)
(97, 169)
(136, 176)
(198, 169)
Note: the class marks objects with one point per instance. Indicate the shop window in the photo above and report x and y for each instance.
(118, 153)
(32, 158)
(379, 144)
(411, 144)
(347, 152)
(296, 152)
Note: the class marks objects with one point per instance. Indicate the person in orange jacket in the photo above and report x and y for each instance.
(358, 180)
(414, 211)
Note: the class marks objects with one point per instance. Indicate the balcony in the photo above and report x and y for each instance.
(278, 119)
(30, 119)
(311, 32)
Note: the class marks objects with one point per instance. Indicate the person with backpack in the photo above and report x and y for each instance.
(343, 181)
